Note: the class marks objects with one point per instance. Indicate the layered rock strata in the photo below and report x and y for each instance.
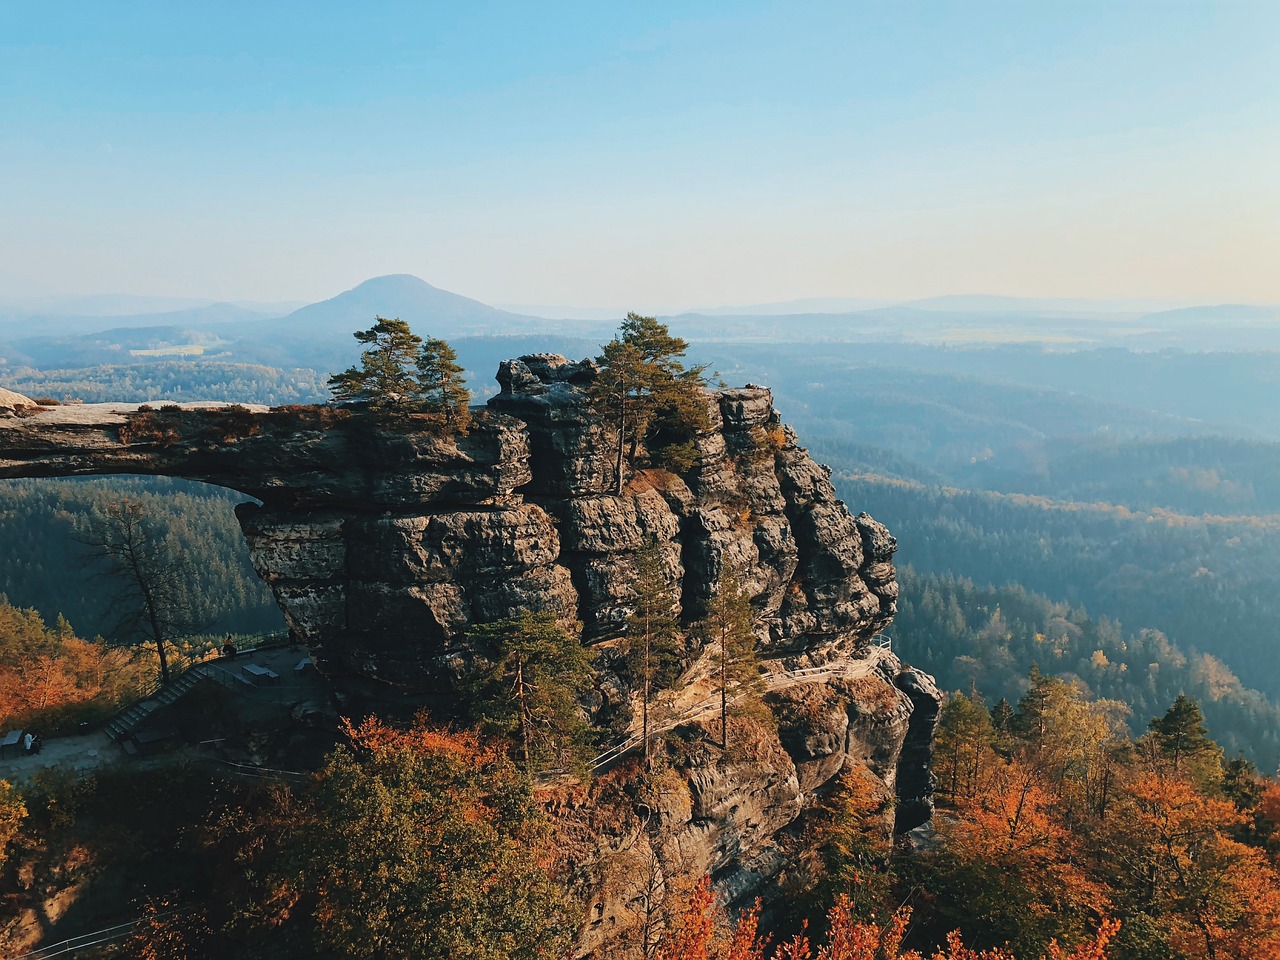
(384, 543)
(740, 814)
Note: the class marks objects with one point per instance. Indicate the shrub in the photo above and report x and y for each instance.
(678, 457)
(300, 416)
(149, 428)
(235, 422)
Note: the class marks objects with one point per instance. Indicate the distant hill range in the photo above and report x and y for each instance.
(62, 334)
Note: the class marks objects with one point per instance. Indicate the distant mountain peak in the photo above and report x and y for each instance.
(429, 309)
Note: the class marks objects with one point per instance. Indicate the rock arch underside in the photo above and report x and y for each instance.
(384, 542)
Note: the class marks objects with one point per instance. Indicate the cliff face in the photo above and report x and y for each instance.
(522, 515)
(385, 544)
(740, 814)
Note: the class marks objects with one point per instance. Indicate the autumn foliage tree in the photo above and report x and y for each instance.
(1171, 860)
(13, 810)
(1011, 860)
(418, 843)
(962, 750)
(700, 934)
(1071, 820)
(50, 678)
(854, 838)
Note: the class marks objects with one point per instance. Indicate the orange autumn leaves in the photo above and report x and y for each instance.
(696, 936)
(49, 676)
(1013, 828)
(1069, 820)
(410, 842)
(1172, 849)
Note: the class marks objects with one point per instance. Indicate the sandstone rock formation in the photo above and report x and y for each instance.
(10, 401)
(383, 543)
(383, 546)
(739, 814)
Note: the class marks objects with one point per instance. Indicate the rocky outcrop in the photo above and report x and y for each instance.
(741, 814)
(11, 402)
(384, 542)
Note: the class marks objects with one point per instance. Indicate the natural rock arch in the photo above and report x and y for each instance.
(384, 543)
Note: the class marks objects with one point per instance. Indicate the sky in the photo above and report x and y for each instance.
(652, 155)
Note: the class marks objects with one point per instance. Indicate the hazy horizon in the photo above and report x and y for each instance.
(120, 303)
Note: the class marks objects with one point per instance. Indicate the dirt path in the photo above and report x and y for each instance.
(91, 752)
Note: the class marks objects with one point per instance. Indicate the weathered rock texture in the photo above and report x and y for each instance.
(384, 544)
(10, 401)
(740, 814)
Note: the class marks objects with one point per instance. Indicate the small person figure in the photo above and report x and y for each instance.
(228, 648)
(28, 742)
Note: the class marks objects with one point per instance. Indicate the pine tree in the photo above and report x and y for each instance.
(442, 385)
(1182, 738)
(727, 628)
(642, 379)
(1002, 717)
(963, 743)
(386, 379)
(652, 628)
(532, 687)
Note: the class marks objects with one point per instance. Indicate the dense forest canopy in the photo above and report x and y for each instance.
(47, 566)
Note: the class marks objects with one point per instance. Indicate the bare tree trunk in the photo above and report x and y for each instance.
(152, 612)
(653, 894)
(645, 720)
(724, 690)
(152, 576)
(622, 439)
(524, 713)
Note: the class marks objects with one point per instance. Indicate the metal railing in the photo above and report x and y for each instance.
(97, 938)
(184, 666)
(263, 773)
(82, 942)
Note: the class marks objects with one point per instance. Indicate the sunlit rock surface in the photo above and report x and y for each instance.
(384, 544)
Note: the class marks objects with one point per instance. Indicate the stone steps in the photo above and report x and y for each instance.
(124, 722)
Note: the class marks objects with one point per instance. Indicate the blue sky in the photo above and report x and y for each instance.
(651, 155)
